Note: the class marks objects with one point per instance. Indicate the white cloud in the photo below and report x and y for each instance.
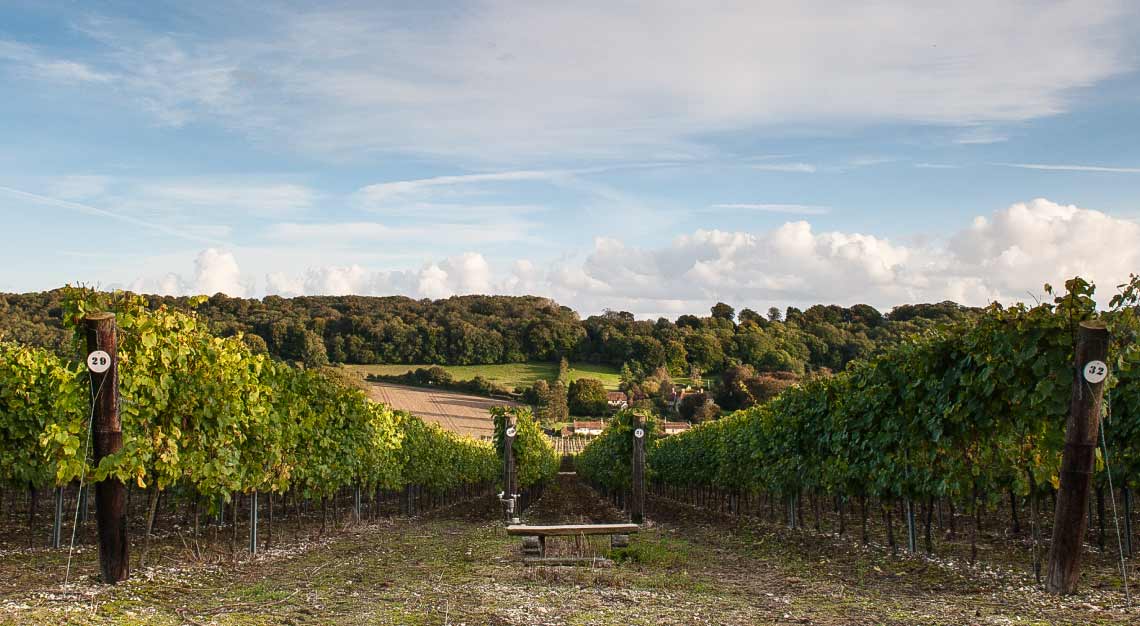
(997, 257)
(215, 271)
(502, 80)
(79, 187)
(262, 199)
(493, 230)
(30, 62)
(70, 72)
(385, 194)
(801, 209)
(468, 273)
(802, 168)
(1074, 168)
(980, 135)
(199, 233)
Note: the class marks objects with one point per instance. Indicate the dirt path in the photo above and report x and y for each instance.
(459, 567)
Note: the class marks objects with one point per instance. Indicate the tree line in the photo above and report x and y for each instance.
(466, 330)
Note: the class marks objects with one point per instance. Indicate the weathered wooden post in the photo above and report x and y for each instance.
(83, 489)
(637, 473)
(1078, 458)
(57, 523)
(510, 472)
(110, 493)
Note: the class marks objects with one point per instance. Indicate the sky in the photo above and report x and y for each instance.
(652, 157)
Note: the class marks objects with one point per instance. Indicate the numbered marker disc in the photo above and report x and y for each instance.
(511, 431)
(98, 361)
(639, 433)
(1095, 371)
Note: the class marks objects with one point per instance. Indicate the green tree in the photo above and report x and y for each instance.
(587, 396)
(313, 353)
(557, 409)
(722, 311)
(563, 371)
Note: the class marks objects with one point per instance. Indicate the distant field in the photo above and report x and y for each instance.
(457, 412)
(509, 375)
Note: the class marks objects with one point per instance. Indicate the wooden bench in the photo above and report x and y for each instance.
(534, 540)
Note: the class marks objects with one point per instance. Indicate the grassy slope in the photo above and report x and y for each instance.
(509, 374)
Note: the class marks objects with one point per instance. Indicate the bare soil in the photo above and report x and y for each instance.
(461, 413)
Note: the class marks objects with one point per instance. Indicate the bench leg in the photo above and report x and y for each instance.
(619, 541)
(542, 546)
(531, 547)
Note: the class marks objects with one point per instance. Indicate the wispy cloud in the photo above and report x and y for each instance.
(1073, 168)
(867, 161)
(347, 234)
(980, 135)
(182, 233)
(31, 62)
(798, 209)
(264, 199)
(803, 168)
(936, 166)
(345, 79)
(382, 193)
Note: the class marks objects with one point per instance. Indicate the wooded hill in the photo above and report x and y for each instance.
(464, 330)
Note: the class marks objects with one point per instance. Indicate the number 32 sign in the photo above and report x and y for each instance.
(1095, 371)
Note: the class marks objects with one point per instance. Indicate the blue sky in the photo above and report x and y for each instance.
(650, 157)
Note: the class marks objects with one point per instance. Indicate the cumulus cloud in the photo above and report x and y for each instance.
(215, 271)
(998, 257)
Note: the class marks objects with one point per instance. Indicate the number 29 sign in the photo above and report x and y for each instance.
(98, 361)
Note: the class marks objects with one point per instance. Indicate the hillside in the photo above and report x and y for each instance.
(476, 330)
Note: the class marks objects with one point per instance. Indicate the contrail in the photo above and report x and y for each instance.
(90, 210)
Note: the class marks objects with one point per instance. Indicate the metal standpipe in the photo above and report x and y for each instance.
(252, 522)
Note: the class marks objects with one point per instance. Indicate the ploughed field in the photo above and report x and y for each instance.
(461, 413)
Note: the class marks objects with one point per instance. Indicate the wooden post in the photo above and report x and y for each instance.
(637, 474)
(1077, 461)
(510, 472)
(83, 489)
(1127, 521)
(110, 493)
(57, 523)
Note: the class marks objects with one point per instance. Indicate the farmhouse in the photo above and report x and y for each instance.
(588, 428)
(617, 400)
(672, 428)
